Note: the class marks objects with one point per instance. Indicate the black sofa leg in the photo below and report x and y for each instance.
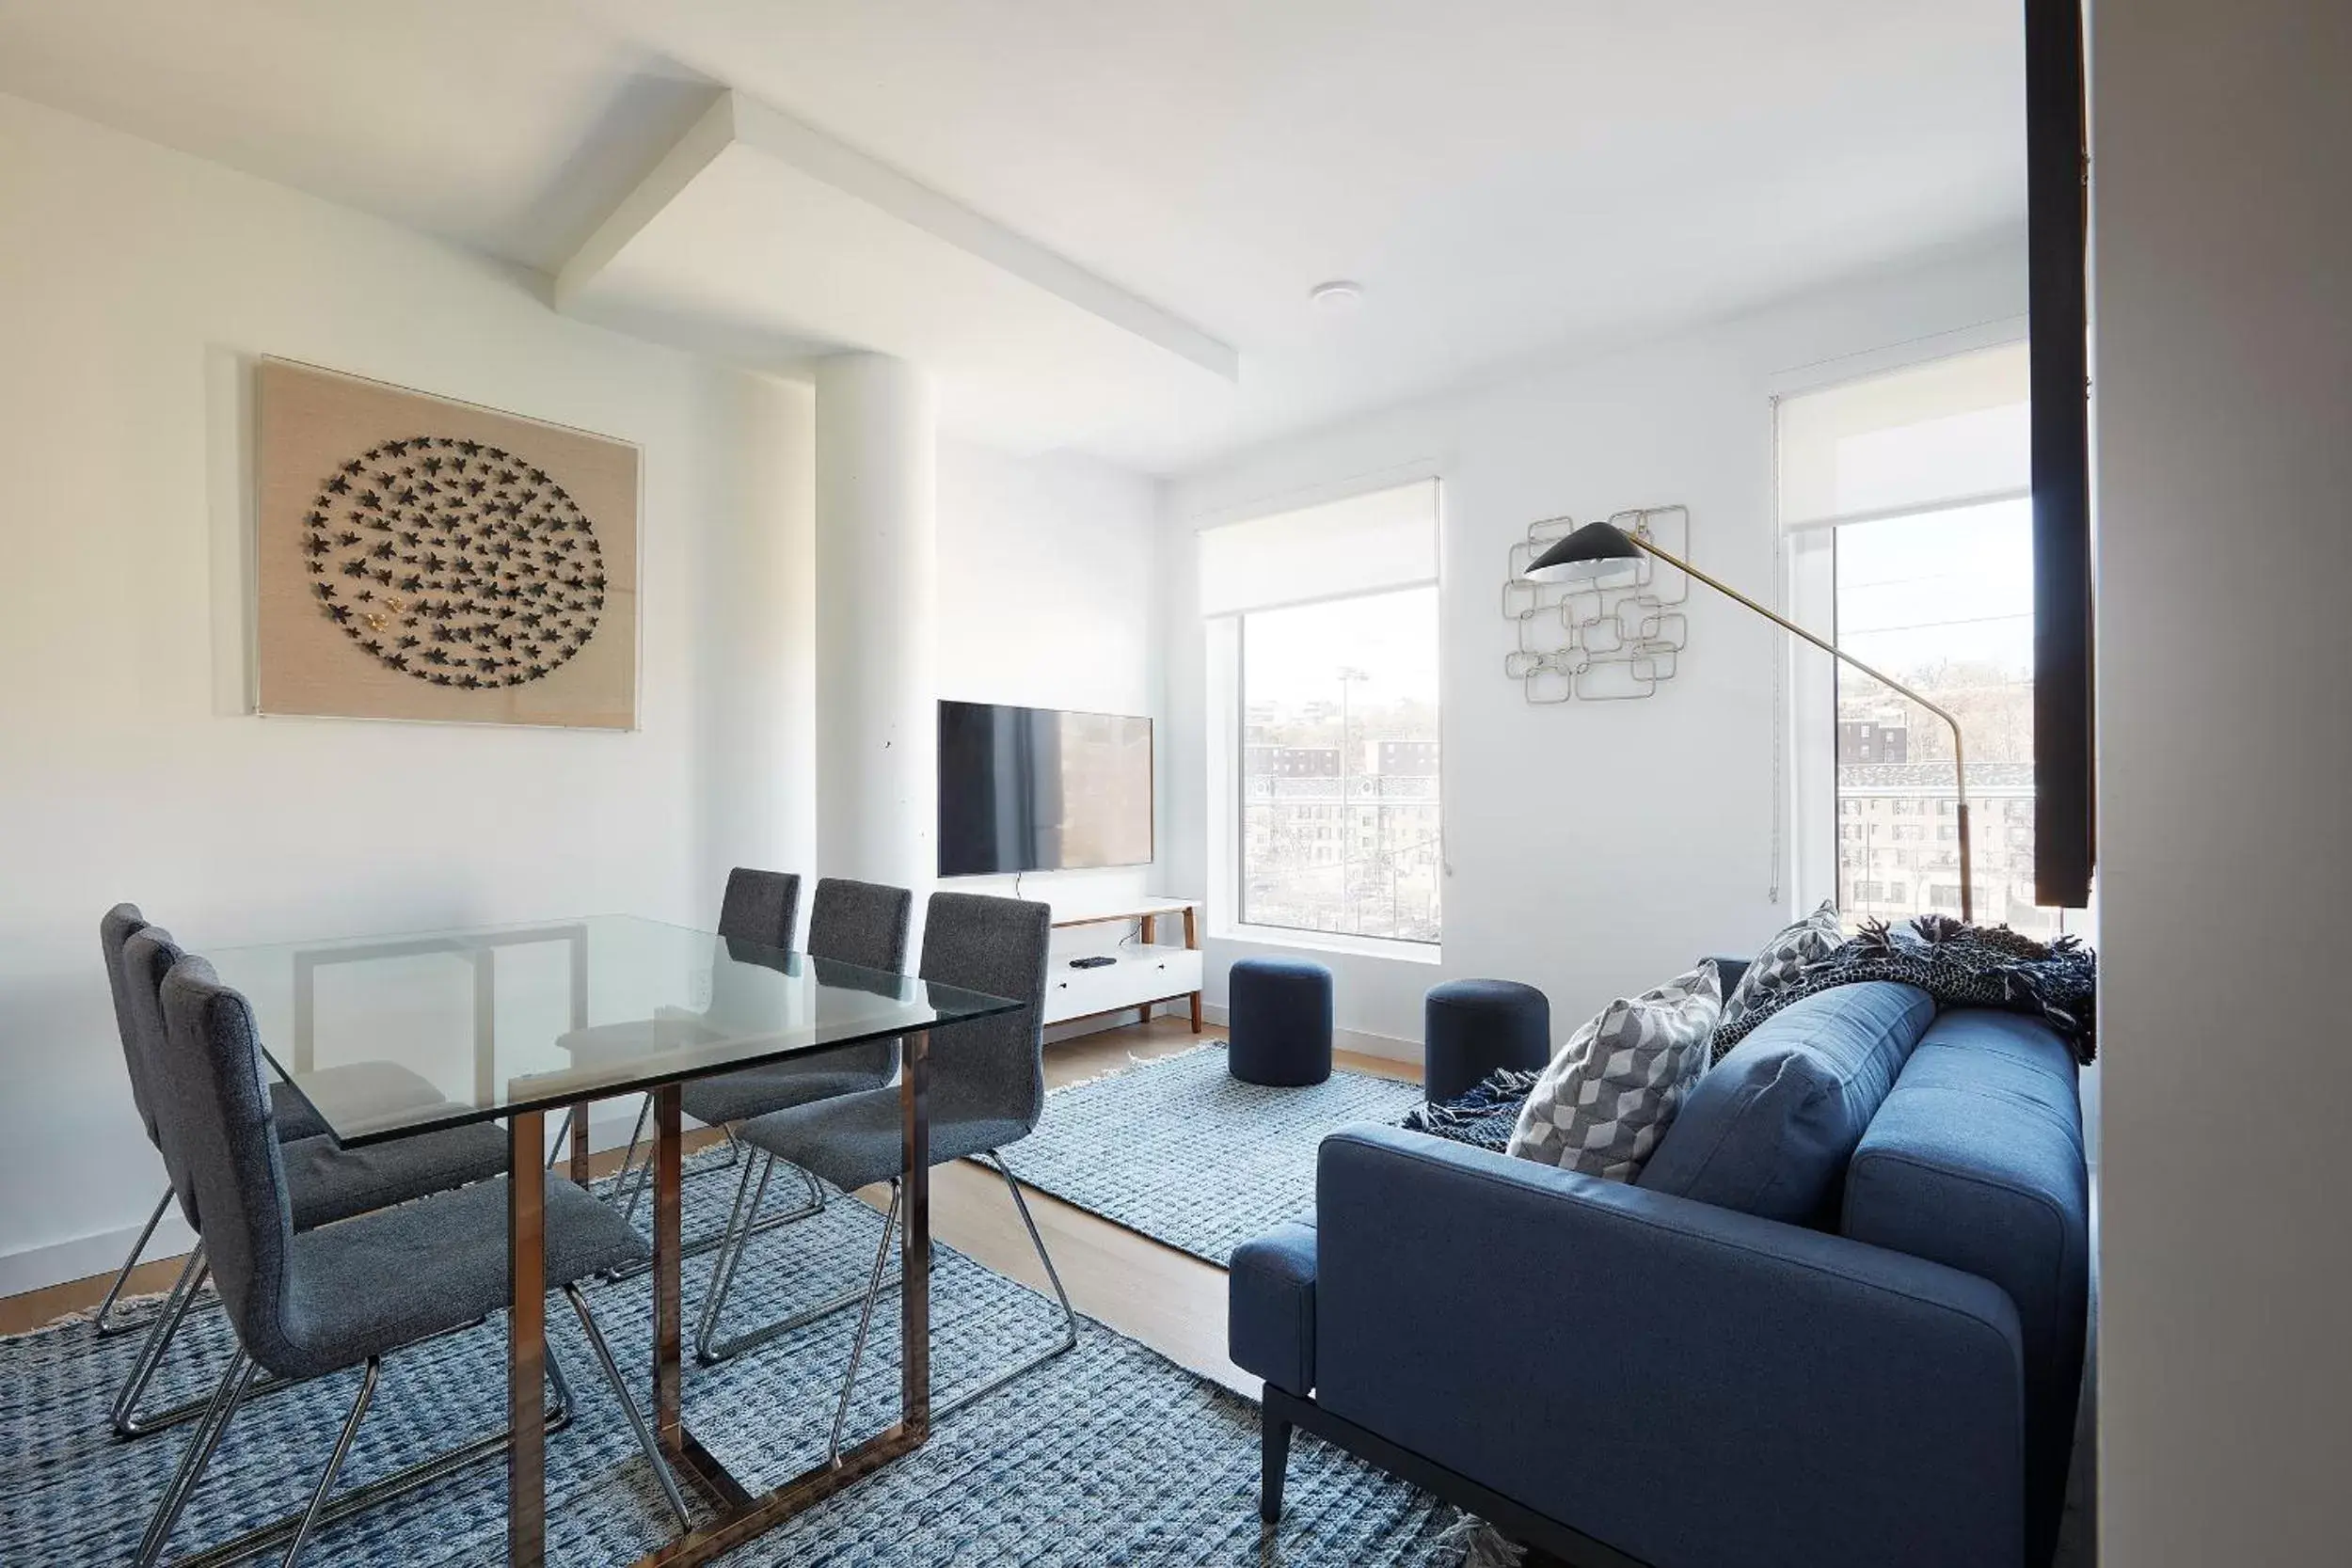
(1274, 1456)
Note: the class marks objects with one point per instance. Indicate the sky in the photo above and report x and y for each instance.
(1293, 656)
(1913, 591)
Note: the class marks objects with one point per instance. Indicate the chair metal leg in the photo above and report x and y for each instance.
(106, 1322)
(160, 1330)
(652, 1449)
(645, 1179)
(563, 1137)
(645, 1173)
(1069, 1318)
(730, 1254)
(201, 1442)
(358, 1499)
(186, 1293)
(334, 1461)
(708, 1349)
(713, 1241)
(864, 1320)
(942, 1408)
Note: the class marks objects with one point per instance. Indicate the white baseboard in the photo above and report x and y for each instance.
(1388, 1047)
(36, 1268)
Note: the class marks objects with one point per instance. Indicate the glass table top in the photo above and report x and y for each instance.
(391, 1036)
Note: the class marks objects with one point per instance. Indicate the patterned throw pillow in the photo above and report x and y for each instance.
(1606, 1099)
(1817, 936)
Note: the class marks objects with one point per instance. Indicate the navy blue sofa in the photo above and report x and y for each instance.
(1838, 1323)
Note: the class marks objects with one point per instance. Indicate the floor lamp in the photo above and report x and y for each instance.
(1597, 549)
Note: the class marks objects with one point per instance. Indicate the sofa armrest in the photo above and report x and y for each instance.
(1691, 1384)
(1270, 1307)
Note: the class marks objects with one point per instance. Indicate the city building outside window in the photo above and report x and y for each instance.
(1339, 704)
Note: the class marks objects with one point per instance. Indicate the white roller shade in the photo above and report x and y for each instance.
(1362, 545)
(1947, 434)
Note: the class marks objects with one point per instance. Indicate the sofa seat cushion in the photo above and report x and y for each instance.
(1770, 1129)
(1270, 1307)
(1976, 1162)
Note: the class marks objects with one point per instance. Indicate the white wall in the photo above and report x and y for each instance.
(136, 286)
(2222, 221)
(1048, 597)
(1593, 850)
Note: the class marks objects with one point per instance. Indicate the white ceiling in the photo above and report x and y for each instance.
(1506, 176)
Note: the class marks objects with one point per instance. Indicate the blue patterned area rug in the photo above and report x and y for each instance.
(1179, 1150)
(1108, 1455)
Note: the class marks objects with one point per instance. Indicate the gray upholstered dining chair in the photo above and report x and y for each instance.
(986, 1089)
(307, 1304)
(325, 1182)
(761, 907)
(855, 923)
(386, 1082)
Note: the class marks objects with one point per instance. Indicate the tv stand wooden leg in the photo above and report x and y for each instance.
(1196, 1012)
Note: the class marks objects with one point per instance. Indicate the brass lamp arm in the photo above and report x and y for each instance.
(1960, 772)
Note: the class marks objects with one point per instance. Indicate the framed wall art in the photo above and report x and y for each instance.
(423, 559)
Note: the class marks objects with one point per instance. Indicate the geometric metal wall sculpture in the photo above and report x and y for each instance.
(1608, 639)
(424, 559)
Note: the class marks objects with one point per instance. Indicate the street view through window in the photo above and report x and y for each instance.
(1339, 776)
(1942, 601)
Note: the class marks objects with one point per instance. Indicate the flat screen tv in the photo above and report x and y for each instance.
(1038, 789)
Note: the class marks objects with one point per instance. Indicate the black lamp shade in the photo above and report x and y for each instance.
(1595, 550)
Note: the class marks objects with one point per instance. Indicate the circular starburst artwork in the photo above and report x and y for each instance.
(454, 562)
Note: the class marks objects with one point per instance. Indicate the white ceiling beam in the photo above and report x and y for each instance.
(736, 120)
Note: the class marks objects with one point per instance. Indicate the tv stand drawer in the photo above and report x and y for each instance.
(1139, 974)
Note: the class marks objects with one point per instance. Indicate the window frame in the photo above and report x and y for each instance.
(1809, 578)
(1807, 581)
(1228, 721)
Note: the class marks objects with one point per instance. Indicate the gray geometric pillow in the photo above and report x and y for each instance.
(1817, 936)
(1607, 1097)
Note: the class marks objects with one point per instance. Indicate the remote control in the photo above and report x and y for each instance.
(1094, 962)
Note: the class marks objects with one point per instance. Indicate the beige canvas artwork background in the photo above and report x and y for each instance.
(475, 518)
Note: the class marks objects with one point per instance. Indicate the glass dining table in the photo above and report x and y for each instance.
(509, 1023)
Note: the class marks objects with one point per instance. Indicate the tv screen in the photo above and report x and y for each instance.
(1037, 789)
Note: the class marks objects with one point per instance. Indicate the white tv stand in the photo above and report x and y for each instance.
(1139, 977)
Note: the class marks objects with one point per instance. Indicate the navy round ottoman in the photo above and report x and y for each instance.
(1472, 1027)
(1278, 1019)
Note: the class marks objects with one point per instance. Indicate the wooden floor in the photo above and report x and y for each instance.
(1170, 1300)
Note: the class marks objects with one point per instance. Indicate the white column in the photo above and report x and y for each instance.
(877, 563)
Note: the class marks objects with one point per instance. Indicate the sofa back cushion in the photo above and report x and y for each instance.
(1976, 1162)
(1769, 1128)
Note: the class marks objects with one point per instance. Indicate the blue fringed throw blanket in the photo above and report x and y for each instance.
(1484, 1116)
(1960, 966)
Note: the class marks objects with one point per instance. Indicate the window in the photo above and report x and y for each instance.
(1338, 827)
(1904, 500)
